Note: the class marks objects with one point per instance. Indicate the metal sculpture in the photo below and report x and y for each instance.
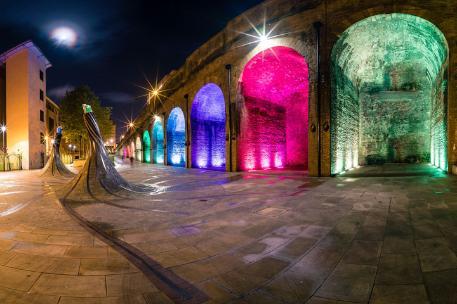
(98, 177)
(55, 166)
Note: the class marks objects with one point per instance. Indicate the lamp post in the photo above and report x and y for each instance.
(3, 129)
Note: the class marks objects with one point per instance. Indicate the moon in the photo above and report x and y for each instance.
(65, 36)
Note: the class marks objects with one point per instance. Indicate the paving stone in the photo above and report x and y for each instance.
(74, 286)
(435, 254)
(398, 245)
(442, 286)
(399, 294)
(117, 285)
(363, 253)
(397, 269)
(55, 265)
(349, 283)
(17, 279)
(105, 266)
(10, 296)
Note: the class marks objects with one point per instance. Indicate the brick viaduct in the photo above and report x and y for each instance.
(313, 27)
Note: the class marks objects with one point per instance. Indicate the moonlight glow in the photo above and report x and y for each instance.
(64, 36)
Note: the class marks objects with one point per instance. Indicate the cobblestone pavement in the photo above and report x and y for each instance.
(260, 237)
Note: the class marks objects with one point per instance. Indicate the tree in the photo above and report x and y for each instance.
(72, 115)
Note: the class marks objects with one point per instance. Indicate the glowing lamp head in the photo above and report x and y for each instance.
(131, 124)
(53, 141)
(3, 129)
(64, 36)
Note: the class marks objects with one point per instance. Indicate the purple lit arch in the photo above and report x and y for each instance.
(208, 128)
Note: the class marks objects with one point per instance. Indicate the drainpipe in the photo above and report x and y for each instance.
(317, 27)
(228, 67)
(186, 97)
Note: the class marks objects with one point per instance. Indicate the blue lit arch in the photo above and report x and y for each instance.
(157, 142)
(176, 138)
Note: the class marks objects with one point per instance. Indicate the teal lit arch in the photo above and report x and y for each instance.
(389, 93)
(146, 147)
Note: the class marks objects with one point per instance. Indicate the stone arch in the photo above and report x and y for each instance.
(157, 142)
(208, 128)
(146, 147)
(176, 138)
(138, 149)
(388, 86)
(274, 115)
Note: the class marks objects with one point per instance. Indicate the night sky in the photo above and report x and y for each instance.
(119, 43)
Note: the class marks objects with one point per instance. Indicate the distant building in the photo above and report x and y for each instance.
(23, 102)
(110, 140)
(52, 120)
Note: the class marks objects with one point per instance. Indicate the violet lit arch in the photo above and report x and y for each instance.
(176, 138)
(157, 142)
(389, 92)
(138, 149)
(146, 147)
(208, 128)
(274, 115)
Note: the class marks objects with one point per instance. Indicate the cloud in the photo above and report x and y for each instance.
(117, 97)
(59, 92)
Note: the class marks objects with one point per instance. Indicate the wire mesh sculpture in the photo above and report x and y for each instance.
(55, 166)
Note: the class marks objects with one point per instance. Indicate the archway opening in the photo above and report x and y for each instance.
(138, 149)
(208, 128)
(274, 115)
(132, 149)
(157, 142)
(176, 138)
(146, 147)
(388, 93)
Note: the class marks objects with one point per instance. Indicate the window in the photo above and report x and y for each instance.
(41, 75)
(41, 116)
(50, 125)
(41, 95)
(42, 139)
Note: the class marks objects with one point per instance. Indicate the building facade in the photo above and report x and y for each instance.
(23, 103)
(52, 120)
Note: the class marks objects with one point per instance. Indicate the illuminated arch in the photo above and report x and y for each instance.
(132, 149)
(157, 142)
(138, 149)
(274, 116)
(388, 88)
(146, 147)
(176, 138)
(208, 128)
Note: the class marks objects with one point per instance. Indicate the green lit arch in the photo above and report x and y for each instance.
(146, 147)
(376, 63)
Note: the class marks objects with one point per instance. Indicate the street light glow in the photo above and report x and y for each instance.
(3, 128)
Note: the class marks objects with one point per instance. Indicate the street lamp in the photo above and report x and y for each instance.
(3, 129)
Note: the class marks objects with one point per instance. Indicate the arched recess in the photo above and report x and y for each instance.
(157, 142)
(132, 149)
(176, 138)
(146, 147)
(208, 128)
(274, 114)
(138, 149)
(389, 93)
